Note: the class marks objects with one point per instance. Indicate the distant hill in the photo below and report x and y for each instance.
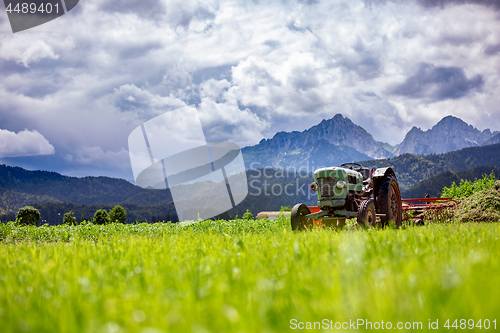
(335, 140)
(449, 134)
(19, 187)
(435, 184)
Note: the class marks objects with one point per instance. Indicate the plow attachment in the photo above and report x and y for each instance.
(413, 209)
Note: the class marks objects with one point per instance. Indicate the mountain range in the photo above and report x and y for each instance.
(339, 140)
(331, 142)
(449, 134)
(451, 144)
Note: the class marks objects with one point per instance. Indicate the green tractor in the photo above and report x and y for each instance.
(351, 191)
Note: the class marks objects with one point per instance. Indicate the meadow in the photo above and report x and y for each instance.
(247, 276)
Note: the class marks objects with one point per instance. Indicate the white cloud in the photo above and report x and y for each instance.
(214, 88)
(226, 122)
(28, 49)
(142, 103)
(24, 143)
(97, 157)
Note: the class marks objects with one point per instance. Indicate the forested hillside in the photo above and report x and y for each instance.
(268, 189)
(19, 187)
(435, 184)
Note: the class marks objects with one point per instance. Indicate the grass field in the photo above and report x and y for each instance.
(245, 276)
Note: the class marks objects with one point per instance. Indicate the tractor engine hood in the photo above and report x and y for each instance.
(337, 172)
(334, 184)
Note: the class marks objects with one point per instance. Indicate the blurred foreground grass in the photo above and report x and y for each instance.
(242, 276)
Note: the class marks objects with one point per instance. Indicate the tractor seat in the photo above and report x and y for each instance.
(365, 172)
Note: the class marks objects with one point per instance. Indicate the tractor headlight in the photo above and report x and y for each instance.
(314, 186)
(341, 184)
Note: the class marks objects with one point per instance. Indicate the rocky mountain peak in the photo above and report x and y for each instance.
(338, 136)
(449, 134)
(452, 123)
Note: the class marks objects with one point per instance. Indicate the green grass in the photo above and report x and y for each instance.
(242, 276)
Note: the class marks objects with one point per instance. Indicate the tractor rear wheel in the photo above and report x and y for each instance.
(366, 214)
(298, 216)
(389, 201)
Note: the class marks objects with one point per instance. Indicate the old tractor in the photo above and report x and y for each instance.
(351, 191)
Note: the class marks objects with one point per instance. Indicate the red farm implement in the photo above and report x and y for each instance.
(413, 209)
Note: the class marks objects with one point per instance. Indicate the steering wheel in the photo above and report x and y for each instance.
(352, 166)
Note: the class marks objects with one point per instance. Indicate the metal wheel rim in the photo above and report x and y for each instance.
(370, 219)
(394, 202)
(302, 219)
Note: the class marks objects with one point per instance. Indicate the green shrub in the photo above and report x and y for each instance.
(101, 217)
(248, 215)
(286, 209)
(69, 218)
(468, 188)
(28, 215)
(118, 214)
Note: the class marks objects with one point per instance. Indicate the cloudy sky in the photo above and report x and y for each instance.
(73, 89)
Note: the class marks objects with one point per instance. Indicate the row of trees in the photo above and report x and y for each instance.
(30, 216)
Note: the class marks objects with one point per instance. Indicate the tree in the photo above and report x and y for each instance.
(69, 218)
(101, 217)
(28, 215)
(118, 214)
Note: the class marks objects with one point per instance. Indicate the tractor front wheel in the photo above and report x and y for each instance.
(298, 216)
(389, 201)
(366, 214)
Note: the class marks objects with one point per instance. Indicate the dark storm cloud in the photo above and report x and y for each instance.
(292, 26)
(304, 79)
(9, 67)
(45, 79)
(438, 83)
(441, 3)
(366, 68)
(457, 40)
(182, 17)
(272, 43)
(37, 89)
(309, 2)
(363, 62)
(136, 51)
(492, 49)
(218, 73)
(148, 9)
